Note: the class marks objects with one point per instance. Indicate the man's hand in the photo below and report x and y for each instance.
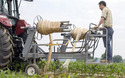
(100, 22)
(96, 27)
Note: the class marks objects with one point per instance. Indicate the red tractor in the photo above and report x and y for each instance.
(11, 35)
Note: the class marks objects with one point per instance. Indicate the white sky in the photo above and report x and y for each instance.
(81, 13)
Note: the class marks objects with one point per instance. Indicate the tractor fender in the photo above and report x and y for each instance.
(5, 21)
(21, 23)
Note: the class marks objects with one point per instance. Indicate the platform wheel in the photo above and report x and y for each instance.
(32, 69)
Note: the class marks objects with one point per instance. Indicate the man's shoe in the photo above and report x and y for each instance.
(103, 61)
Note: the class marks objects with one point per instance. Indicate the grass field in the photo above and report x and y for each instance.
(75, 70)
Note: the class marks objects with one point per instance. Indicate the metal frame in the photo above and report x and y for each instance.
(62, 54)
(16, 9)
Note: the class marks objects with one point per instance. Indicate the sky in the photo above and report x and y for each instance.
(81, 13)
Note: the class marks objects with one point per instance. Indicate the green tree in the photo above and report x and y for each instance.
(124, 61)
(117, 59)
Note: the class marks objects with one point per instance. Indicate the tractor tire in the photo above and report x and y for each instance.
(6, 48)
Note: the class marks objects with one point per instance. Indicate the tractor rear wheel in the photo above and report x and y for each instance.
(6, 49)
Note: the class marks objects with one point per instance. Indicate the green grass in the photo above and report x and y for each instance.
(76, 70)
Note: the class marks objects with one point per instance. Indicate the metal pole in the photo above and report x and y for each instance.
(34, 52)
(86, 49)
(17, 9)
(106, 43)
(112, 47)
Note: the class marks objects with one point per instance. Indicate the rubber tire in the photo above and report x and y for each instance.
(36, 68)
(6, 49)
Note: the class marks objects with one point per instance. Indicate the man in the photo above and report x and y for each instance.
(106, 21)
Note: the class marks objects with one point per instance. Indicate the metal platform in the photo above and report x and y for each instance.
(86, 50)
(66, 55)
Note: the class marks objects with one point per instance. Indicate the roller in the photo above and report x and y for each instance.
(78, 34)
(46, 27)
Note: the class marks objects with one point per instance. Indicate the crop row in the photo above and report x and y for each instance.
(115, 70)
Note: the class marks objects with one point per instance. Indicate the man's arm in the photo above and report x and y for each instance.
(100, 22)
